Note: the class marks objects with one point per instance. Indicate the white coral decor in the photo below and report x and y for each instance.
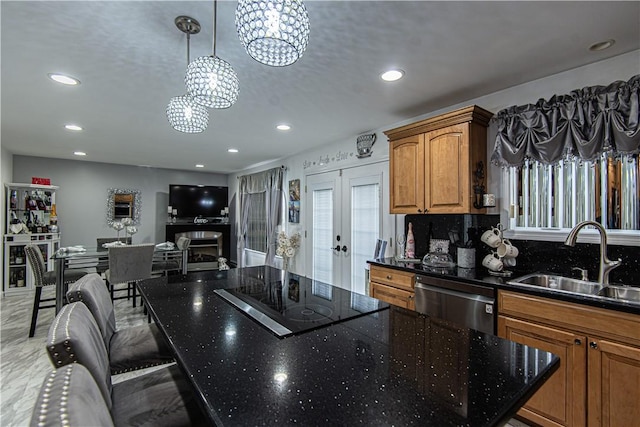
(287, 246)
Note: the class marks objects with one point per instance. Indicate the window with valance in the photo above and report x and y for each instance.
(261, 202)
(572, 157)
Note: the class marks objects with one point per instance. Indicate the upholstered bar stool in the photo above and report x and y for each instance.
(43, 278)
(160, 398)
(129, 349)
(70, 396)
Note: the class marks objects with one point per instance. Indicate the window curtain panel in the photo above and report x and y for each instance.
(269, 182)
(585, 123)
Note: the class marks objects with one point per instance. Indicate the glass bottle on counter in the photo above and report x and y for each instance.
(411, 243)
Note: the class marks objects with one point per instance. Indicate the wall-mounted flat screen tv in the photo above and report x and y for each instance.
(198, 200)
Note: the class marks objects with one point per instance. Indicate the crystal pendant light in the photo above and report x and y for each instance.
(274, 32)
(211, 81)
(183, 113)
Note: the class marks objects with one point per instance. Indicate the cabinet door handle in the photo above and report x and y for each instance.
(577, 341)
(593, 344)
(419, 210)
(388, 277)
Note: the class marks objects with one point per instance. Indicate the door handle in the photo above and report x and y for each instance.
(337, 248)
(344, 248)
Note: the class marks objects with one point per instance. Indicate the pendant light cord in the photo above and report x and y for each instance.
(215, 9)
(188, 46)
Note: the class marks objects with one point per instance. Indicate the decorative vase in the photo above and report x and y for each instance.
(131, 230)
(118, 226)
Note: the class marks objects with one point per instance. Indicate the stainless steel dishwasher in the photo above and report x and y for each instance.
(463, 303)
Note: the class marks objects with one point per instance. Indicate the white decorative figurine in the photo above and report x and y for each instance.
(222, 264)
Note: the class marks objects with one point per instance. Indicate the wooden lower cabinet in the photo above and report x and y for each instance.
(614, 384)
(393, 295)
(561, 400)
(598, 382)
(393, 286)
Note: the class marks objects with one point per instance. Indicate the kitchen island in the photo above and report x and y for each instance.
(388, 367)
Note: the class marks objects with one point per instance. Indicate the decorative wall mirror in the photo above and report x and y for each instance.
(123, 203)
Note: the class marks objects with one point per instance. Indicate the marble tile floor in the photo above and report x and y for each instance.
(24, 362)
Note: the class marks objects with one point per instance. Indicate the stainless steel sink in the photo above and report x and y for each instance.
(559, 283)
(576, 286)
(627, 293)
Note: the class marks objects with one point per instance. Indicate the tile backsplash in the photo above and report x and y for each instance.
(533, 255)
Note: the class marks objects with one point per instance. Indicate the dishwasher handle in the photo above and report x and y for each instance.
(458, 294)
(454, 285)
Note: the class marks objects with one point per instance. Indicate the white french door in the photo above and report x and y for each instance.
(345, 217)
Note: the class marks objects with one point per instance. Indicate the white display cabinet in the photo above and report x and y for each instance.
(27, 204)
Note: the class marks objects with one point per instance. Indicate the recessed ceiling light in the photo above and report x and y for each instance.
(79, 153)
(199, 166)
(232, 150)
(73, 127)
(602, 45)
(392, 75)
(283, 127)
(65, 80)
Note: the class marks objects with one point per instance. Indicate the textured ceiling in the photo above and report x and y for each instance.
(131, 60)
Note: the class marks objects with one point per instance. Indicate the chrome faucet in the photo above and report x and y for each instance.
(606, 265)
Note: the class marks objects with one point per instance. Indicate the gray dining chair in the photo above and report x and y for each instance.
(42, 278)
(161, 397)
(130, 348)
(103, 264)
(165, 262)
(128, 264)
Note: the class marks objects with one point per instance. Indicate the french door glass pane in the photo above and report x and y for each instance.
(365, 226)
(322, 267)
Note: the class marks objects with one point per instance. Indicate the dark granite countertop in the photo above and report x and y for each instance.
(481, 276)
(391, 367)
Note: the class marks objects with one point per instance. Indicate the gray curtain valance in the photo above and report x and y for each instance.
(584, 123)
(261, 181)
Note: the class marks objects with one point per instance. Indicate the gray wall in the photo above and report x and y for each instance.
(6, 172)
(621, 67)
(81, 201)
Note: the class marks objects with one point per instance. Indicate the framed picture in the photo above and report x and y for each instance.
(294, 201)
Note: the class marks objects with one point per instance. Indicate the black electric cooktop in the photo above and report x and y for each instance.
(291, 304)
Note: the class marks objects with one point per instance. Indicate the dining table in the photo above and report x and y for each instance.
(79, 257)
(328, 356)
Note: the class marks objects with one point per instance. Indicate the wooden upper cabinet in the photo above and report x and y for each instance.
(407, 174)
(432, 162)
